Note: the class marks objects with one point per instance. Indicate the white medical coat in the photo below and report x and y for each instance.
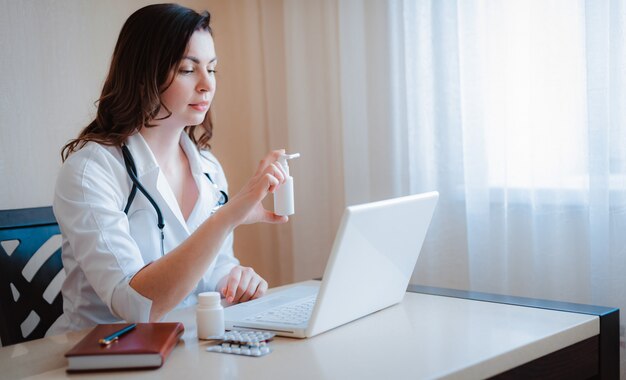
(103, 248)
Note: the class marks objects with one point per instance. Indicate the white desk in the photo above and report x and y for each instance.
(426, 336)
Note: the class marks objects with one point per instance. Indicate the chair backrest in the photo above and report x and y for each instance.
(31, 273)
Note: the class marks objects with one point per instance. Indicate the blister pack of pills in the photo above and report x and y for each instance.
(244, 342)
(249, 337)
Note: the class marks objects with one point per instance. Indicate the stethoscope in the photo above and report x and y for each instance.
(132, 173)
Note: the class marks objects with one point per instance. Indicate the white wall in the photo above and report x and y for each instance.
(54, 59)
(55, 56)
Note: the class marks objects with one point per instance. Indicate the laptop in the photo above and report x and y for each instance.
(369, 268)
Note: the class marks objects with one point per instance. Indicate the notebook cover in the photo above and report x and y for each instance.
(145, 339)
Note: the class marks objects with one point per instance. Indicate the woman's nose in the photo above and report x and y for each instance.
(206, 83)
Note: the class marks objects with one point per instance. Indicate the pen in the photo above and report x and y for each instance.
(115, 336)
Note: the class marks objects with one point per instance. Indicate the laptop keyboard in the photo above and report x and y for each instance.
(291, 314)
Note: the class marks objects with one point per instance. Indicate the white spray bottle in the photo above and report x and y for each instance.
(283, 196)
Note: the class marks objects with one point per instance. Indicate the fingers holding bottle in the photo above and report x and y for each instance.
(246, 207)
(269, 159)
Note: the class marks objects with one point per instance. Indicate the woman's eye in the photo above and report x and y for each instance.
(185, 71)
(212, 72)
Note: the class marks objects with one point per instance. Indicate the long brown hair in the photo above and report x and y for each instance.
(151, 44)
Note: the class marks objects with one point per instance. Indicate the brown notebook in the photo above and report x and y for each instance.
(146, 346)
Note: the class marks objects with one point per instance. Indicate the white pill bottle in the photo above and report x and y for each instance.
(283, 196)
(210, 316)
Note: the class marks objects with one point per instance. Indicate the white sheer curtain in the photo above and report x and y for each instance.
(510, 110)
(515, 112)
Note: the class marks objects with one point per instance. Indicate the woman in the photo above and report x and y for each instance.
(141, 203)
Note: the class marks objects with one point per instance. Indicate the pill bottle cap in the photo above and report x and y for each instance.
(209, 299)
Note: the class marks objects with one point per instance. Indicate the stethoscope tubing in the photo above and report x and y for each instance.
(131, 169)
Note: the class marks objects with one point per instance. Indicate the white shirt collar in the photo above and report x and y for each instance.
(142, 154)
(145, 161)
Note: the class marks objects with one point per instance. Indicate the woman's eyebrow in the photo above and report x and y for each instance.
(197, 61)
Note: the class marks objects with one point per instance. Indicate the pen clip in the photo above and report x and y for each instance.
(113, 337)
(106, 342)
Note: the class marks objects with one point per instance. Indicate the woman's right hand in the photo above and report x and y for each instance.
(246, 207)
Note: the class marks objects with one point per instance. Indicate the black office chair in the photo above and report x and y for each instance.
(31, 274)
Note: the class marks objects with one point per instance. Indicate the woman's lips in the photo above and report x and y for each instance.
(201, 106)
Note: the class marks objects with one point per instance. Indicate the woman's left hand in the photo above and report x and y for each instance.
(242, 284)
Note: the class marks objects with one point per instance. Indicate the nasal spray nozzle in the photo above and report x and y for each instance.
(283, 196)
(282, 160)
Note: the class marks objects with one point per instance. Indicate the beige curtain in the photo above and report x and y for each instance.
(279, 88)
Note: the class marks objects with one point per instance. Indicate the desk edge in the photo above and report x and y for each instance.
(608, 316)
